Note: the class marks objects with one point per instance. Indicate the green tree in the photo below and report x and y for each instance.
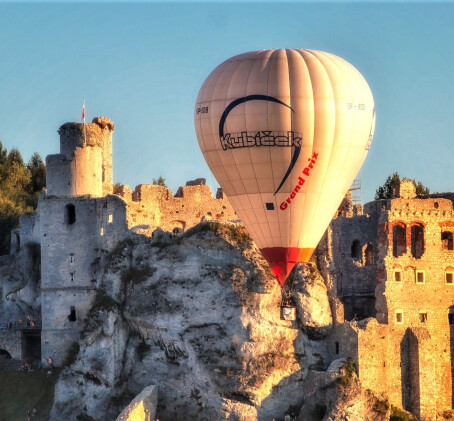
(20, 185)
(15, 156)
(37, 170)
(392, 183)
(160, 181)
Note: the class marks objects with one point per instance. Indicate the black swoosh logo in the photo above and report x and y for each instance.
(247, 98)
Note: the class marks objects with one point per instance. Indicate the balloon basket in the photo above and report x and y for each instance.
(288, 310)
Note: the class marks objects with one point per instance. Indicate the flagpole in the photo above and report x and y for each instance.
(83, 117)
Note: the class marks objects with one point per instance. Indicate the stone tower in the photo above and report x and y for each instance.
(84, 164)
(79, 220)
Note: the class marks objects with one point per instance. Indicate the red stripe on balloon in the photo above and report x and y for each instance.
(282, 259)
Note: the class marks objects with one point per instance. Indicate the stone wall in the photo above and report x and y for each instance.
(406, 351)
(11, 342)
(74, 233)
(152, 206)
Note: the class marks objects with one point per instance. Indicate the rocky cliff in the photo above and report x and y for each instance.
(20, 284)
(198, 315)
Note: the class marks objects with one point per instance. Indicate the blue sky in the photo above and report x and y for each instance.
(142, 65)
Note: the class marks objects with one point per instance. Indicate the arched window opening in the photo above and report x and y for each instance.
(5, 354)
(356, 250)
(399, 240)
(446, 240)
(70, 214)
(369, 258)
(72, 314)
(417, 240)
(176, 231)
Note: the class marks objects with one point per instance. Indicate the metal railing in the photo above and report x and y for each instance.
(7, 326)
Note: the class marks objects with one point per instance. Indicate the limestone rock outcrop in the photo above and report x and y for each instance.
(197, 316)
(20, 284)
(311, 299)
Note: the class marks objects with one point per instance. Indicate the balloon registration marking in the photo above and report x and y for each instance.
(261, 138)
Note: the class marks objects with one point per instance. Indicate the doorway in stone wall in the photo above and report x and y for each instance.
(31, 345)
(409, 363)
(451, 342)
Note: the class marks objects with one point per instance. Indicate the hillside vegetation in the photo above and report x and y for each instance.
(20, 184)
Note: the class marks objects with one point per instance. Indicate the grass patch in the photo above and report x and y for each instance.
(398, 415)
(234, 233)
(24, 391)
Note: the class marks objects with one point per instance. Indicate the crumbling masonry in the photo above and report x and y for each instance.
(391, 271)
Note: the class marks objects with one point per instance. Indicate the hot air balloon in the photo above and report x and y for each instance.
(285, 132)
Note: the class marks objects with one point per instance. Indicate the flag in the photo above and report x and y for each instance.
(83, 112)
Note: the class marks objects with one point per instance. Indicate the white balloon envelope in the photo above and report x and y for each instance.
(285, 132)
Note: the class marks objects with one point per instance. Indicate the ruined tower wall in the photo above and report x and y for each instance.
(406, 352)
(74, 231)
(423, 302)
(82, 175)
(84, 165)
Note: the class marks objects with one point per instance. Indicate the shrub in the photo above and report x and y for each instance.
(137, 275)
(102, 301)
(350, 368)
(398, 414)
(232, 232)
(381, 406)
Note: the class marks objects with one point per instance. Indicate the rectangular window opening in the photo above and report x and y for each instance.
(110, 218)
(102, 231)
(72, 314)
(420, 277)
(449, 278)
(423, 316)
(397, 276)
(269, 206)
(399, 317)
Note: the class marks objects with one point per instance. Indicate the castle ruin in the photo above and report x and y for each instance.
(391, 271)
(389, 265)
(79, 218)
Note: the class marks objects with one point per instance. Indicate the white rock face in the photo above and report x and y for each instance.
(200, 318)
(20, 284)
(311, 299)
